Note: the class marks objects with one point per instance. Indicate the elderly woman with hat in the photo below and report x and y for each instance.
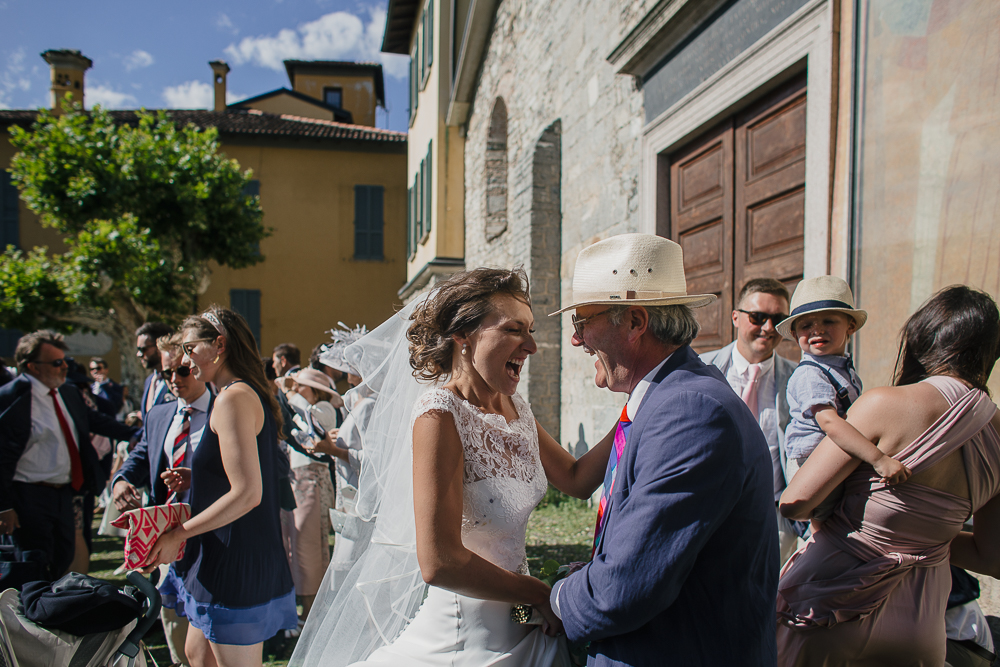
(307, 536)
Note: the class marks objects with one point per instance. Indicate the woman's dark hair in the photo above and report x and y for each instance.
(457, 306)
(242, 356)
(956, 332)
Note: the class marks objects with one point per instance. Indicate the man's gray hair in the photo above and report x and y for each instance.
(672, 325)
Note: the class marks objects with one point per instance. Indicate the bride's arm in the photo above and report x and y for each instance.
(438, 463)
(829, 465)
(576, 477)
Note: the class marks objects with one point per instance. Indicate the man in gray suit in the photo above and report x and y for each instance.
(760, 377)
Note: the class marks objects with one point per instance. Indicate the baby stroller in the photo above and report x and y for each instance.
(27, 644)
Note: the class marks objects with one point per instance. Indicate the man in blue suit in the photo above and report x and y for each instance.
(685, 564)
(155, 390)
(45, 453)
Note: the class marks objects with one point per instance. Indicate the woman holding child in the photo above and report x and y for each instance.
(871, 585)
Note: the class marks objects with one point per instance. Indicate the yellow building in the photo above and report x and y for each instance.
(331, 185)
(435, 171)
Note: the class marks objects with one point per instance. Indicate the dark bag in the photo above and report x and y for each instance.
(964, 588)
(18, 567)
(81, 605)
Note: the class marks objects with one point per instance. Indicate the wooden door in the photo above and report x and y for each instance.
(701, 212)
(737, 206)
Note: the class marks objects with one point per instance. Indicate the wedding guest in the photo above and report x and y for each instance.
(155, 390)
(308, 534)
(169, 437)
(104, 386)
(233, 583)
(685, 562)
(45, 453)
(870, 587)
(760, 378)
(316, 362)
(286, 358)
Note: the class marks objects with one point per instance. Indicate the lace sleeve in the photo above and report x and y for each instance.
(434, 400)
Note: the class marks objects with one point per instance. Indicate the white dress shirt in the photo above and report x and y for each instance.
(199, 420)
(45, 458)
(738, 375)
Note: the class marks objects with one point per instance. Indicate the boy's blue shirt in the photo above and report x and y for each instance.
(808, 388)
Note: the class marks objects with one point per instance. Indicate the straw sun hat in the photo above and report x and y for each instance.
(634, 269)
(315, 380)
(818, 294)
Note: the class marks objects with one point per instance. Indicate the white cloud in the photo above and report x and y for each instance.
(109, 98)
(225, 24)
(195, 95)
(13, 78)
(334, 36)
(138, 59)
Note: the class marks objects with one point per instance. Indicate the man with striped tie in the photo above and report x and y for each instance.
(685, 563)
(171, 432)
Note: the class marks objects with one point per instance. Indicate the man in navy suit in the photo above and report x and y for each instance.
(155, 390)
(685, 566)
(164, 426)
(45, 453)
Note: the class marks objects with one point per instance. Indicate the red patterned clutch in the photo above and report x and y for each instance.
(145, 525)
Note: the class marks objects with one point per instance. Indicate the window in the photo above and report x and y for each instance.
(496, 172)
(368, 221)
(334, 96)
(414, 99)
(428, 39)
(411, 247)
(9, 220)
(428, 194)
(246, 302)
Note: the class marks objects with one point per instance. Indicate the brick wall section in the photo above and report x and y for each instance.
(547, 60)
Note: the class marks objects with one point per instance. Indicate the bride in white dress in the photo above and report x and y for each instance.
(454, 466)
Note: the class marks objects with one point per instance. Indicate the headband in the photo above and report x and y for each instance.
(214, 321)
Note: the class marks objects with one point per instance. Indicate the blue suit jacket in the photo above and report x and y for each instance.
(687, 569)
(145, 463)
(15, 429)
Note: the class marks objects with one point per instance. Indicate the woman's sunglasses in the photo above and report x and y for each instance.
(757, 318)
(181, 371)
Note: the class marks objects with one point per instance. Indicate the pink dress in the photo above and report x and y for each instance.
(870, 588)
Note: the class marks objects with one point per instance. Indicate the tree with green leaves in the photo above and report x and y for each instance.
(142, 206)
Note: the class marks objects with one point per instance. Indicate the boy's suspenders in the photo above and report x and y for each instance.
(843, 398)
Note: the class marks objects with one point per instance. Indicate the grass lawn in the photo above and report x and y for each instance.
(560, 528)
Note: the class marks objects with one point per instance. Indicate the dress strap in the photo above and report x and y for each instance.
(967, 416)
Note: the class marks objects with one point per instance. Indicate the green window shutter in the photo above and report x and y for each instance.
(430, 191)
(429, 33)
(368, 221)
(246, 302)
(10, 232)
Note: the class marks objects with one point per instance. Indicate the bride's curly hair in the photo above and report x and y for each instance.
(457, 306)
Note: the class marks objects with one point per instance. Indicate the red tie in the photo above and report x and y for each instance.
(182, 439)
(75, 467)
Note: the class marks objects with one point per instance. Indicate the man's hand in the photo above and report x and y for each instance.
(177, 480)
(8, 522)
(126, 496)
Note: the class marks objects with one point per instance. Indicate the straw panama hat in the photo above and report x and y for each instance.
(636, 269)
(315, 380)
(821, 293)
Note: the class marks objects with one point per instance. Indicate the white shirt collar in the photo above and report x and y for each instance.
(635, 398)
(741, 364)
(37, 386)
(200, 404)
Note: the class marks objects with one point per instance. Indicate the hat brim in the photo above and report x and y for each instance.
(785, 327)
(691, 300)
(314, 385)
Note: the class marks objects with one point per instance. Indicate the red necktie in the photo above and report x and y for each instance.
(75, 466)
(182, 439)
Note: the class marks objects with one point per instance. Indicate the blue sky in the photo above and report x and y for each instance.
(155, 54)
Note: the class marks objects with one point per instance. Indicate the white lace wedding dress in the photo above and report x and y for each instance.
(503, 481)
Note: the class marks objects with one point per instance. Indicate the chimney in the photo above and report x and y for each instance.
(219, 70)
(67, 67)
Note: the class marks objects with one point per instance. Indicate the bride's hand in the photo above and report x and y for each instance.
(551, 626)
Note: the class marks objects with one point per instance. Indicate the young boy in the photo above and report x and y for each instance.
(825, 384)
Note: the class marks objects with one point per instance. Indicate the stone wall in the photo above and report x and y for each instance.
(547, 61)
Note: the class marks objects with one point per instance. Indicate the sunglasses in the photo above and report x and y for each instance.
(757, 318)
(188, 347)
(55, 363)
(579, 322)
(142, 348)
(180, 371)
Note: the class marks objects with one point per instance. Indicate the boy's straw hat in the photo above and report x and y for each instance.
(634, 269)
(817, 294)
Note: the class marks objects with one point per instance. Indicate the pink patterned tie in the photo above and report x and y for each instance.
(182, 440)
(750, 390)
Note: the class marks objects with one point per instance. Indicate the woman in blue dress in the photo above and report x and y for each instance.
(233, 584)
